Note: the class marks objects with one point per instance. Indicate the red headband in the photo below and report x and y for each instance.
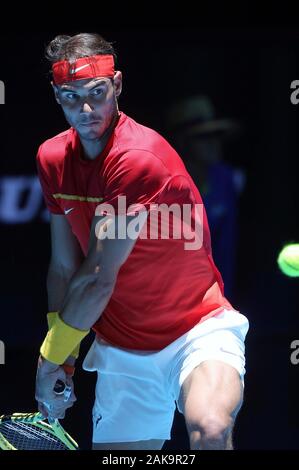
(85, 67)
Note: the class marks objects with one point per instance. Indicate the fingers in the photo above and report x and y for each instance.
(58, 401)
(57, 407)
(51, 404)
(49, 411)
(42, 409)
(57, 414)
(46, 382)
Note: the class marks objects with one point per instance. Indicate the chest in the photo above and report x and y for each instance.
(79, 192)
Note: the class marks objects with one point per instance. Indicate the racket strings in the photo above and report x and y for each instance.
(27, 436)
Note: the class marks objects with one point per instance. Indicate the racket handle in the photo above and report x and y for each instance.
(59, 387)
(62, 389)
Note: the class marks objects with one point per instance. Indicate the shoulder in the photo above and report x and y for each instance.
(132, 135)
(143, 149)
(137, 165)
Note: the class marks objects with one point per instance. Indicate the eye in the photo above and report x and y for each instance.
(71, 96)
(97, 92)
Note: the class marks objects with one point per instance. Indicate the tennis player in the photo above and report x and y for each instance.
(165, 335)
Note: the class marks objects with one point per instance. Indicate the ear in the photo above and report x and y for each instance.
(117, 83)
(56, 92)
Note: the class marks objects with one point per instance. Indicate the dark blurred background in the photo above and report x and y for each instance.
(246, 75)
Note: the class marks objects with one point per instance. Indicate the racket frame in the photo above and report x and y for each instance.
(37, 419)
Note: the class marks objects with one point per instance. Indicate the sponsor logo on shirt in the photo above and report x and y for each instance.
(67, 211)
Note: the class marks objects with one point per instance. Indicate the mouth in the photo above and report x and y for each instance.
(88, 124)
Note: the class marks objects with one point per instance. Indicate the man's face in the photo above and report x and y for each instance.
(89, 105)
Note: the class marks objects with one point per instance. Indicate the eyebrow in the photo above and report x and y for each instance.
(99, 83)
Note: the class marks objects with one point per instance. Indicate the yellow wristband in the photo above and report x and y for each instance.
(51, 317)
(60, 341)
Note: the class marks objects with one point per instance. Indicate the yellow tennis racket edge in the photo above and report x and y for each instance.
(31, 431)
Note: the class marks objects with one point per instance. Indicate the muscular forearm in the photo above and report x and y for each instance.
(58, 280)
(87, 295)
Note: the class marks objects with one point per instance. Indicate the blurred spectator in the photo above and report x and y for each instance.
(198, 136)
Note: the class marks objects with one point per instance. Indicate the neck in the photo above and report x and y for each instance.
(93, 148)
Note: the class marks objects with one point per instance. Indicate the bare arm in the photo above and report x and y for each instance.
(87, 294)
(92, 285)
(66, 258)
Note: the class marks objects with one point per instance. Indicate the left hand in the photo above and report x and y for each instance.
(47, 375)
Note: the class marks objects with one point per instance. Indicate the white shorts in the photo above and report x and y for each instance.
(137, 391)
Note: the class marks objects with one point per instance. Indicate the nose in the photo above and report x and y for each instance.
(86, 107)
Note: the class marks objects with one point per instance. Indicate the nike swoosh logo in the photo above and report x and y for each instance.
(72, 71)
(67, 211)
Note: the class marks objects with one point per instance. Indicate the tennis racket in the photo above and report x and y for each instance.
(31, 431)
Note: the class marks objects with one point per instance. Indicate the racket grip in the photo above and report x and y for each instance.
(59, 387)
(62, 389)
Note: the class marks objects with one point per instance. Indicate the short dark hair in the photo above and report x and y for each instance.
(71, 48)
